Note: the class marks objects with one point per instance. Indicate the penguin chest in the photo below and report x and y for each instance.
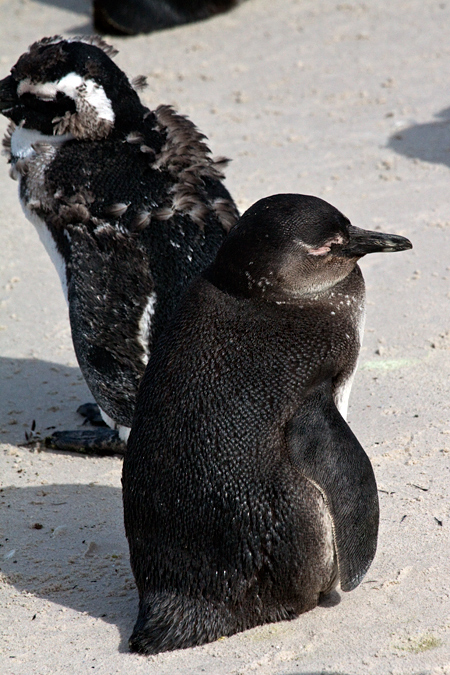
(49, 242)
(30, 168)
(348, 312)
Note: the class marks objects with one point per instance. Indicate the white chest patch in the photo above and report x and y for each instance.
(342, 393)
(50, 246)
(145, 326)
(22, 141)
(124, 432)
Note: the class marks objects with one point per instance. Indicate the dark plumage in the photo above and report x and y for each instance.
(246, 495)
(130, 17)
(128, 202)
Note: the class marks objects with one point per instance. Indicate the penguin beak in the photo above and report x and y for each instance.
(8, 98)
(362, 242)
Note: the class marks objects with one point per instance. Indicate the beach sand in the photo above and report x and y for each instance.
(348, 101)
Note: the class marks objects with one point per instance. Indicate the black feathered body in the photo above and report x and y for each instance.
(225, 532)
(128, 201)
(145, 16)
(246, 495)
(115, 264)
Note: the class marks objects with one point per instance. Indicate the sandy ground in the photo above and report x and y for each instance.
(345, 100)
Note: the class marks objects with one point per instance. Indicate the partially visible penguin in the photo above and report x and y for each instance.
(128, 202)
(246, 495)
(130, 17)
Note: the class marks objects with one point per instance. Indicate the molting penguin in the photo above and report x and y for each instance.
(144, 16)
(246, 495)
(127, 201)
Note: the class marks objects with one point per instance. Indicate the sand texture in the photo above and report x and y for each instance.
(348, 101)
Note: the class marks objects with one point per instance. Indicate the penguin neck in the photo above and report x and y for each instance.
(351, 286)
(265, 289)
(23, 141)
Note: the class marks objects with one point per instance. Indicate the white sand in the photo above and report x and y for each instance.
(348, 101)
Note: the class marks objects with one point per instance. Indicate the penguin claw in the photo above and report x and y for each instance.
(102, 442)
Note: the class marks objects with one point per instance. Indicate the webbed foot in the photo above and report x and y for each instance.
(104, 442)
(91, 413)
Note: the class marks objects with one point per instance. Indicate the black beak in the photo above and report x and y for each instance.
(8, 96)
(364, 241)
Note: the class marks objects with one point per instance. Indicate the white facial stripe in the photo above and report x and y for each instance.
(46, 91)
(77, 88)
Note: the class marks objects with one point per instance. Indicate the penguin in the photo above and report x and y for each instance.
(131, 17)
(127, 201)
(246, 495)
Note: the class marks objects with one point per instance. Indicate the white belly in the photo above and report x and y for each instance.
(50, 246)
(342, 393)
(22, 141)
(124, 432)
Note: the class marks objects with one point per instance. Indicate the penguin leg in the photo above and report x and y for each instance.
(324, 449)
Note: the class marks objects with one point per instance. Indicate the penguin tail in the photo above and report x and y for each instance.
(167, 621)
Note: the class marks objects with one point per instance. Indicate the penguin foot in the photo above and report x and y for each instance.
(116, 17)
(91, 413)
(102, 442)
(330, 599)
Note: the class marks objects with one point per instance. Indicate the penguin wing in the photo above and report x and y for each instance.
(324, 449)
(111, 294)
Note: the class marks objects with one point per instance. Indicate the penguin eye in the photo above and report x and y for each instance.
(34, 101)
(42, 102)
(322, 250)
(327, 246)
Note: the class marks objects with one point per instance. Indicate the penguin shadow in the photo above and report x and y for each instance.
(428, 142)
(83, 7)
(41, 391)
(66, 544)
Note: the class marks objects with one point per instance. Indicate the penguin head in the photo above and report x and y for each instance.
(288, 246)
(62, 86)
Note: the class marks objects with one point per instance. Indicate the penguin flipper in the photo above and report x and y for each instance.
(109, 286)
(324, 449)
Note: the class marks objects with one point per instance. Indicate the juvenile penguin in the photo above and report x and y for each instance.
(127, 201)
(246, 495)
